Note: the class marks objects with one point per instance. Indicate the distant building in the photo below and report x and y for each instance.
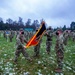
(29, 29)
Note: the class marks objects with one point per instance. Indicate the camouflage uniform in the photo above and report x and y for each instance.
(20, 47)
(37, 49)
(7, 35)
(48, 41)
(4, 34)
(11, 36)
(59, 52)
(66, 35)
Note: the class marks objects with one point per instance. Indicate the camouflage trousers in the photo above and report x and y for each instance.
(7, 37)
(10, 39)
(59, 55)
(48, 46)
(37, 50)
(65, 41)
(20, 50)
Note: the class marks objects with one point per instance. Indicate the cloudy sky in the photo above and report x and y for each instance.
(54, 12)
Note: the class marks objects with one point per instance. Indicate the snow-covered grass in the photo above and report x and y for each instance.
(44, 65)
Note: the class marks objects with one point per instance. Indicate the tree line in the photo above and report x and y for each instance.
(16, 25)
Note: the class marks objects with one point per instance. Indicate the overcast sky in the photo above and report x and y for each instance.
(54, 12)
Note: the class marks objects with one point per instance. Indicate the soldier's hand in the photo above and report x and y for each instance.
(24, 46)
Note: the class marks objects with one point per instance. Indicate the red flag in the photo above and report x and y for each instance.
(37, 36)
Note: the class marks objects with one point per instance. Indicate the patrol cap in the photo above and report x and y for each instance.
(59, 31)
(21, 31)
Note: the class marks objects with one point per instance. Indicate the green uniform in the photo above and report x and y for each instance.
(66, 35)
(48, 41)
(11, 36)
(20, 47)
(37, 49)
(59, 48)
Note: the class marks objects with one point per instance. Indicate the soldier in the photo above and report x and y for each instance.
(66, 35)
(37, 48)
(20, 46)
(48, 40)
(59, 50)
(11, 35)
(4, 34)
(7, 35)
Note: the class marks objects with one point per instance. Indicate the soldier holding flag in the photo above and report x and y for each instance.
(20, 46)
(37, 47)
(36, 39)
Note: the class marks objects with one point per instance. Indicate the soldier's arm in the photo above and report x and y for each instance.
(48, 35)
(18, 41)
(25, 41)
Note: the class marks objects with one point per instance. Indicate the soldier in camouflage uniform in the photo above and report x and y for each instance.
(27, 35)
(7, 35)
(20, 46)
(66, 35)
(59, 51)
(48, 40)
(4, 34)
(11, 35)
(37, 48)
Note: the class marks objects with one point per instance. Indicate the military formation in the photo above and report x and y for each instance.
(22, 37)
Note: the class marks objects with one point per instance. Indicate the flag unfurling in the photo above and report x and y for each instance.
(37, 36)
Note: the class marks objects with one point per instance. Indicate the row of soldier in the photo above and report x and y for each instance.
(10, 34)
(61, 40)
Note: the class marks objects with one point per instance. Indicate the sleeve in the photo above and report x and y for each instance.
(18, 41)
(25, 41)
(61, 38)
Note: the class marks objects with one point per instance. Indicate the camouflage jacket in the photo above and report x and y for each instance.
(60, 39)
(49, 35)
(20, 40)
